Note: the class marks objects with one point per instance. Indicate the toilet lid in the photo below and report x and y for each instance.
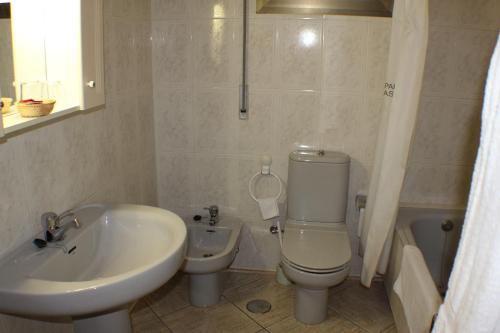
(316, 248)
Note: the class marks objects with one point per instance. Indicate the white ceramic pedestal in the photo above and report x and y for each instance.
(118, 321)
(204, 289)
(311, 305)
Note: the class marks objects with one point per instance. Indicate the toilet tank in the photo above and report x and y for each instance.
(318, 182)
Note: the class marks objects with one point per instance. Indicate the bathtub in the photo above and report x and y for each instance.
(436, 232)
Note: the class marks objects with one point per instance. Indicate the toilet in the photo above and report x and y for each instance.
(316, 250)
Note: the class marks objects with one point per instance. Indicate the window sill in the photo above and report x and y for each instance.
(13, 122)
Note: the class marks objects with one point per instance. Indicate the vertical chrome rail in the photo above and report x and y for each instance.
(244, 85)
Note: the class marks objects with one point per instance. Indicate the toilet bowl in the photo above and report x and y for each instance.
(315, 258)
(211, 249)
(316, 250)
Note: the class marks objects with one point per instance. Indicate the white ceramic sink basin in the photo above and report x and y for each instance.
(121, 253)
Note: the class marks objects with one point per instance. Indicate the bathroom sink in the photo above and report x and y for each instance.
(120, 253)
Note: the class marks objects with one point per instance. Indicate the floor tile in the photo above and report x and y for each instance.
(353, 308)
(142, 313)
(236, 279)
(368, 308)
(266, 287)
(145, 321)
(344, 285)
(391, 329)
(174, 295)
(155, 326)
(221, 318)
(334, 324)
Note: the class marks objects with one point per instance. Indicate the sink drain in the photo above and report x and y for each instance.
(208, 255)
(259, 306)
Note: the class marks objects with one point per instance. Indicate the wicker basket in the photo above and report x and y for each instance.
(36, 109)
(7, 102)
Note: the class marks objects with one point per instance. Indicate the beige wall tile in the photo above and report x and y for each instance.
(444, 12)
(174, 126)
(298, 121)
(473, 53)
(214, 8)
(299, 54)
(176, 176)
(216, 182)
(378, 43)
(215, 120)
(480, 14)
(256, 134)
(261, 54)
(169, 9)
(216, 54)
(442, 184)
(345, 55)
(447, 131)
(172, 51)
(440, 63)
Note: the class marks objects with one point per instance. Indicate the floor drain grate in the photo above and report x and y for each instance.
(259, 306)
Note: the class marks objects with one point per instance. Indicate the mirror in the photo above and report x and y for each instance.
(7, 90)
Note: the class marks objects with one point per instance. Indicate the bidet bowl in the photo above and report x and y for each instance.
(121, 253)
(210, 250)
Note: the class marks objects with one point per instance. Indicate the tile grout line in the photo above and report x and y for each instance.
(168, 314)
(385, 328)
(240, 310)
(158, 317)
(351, 321)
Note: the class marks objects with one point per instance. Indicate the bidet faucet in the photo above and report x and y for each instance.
(213, 210)
(55, 227)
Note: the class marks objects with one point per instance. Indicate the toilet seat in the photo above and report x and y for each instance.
(316, 248)
(311, 270)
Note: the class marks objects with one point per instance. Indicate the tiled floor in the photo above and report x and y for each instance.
(353, 309)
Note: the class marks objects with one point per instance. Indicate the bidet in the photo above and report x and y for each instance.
(210, 250)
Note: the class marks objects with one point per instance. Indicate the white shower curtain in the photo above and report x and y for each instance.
(472, 302)
(405, 72)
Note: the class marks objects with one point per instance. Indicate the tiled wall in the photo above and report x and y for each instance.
(314, 82)
(461, 41)
(106, 155)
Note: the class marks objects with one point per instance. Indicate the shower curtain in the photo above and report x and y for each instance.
(472, 303)
(402, 93)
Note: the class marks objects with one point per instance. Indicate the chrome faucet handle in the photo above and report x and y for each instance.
(77, 223)
(64, 215)
(213, 210)
(214, 214)
(54, 228)
(49, 220)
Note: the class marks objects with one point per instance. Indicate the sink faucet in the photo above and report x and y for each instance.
(56, 225)
(213, 210)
